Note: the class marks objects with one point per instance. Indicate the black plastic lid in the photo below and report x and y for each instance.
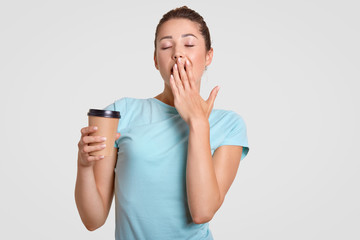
(104, 113)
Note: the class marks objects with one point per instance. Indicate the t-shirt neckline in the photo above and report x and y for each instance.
(167, 106)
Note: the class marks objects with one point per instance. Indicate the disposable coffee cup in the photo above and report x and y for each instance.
(107, 123)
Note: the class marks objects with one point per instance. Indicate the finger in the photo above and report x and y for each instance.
(176, 76)
(93, 139)
(189, 71)
(173, 86)
(89, 149)
(212, 96)
(183, 75)
(95, 158)
(88, 130)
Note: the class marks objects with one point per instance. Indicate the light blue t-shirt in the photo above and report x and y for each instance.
(150, 173)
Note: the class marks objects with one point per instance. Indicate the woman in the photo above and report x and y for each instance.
(176, 157)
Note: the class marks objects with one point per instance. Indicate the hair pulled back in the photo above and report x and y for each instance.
(186, 13)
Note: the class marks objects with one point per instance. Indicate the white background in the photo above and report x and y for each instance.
(289, 68)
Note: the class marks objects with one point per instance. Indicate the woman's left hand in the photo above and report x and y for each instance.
(187, 100)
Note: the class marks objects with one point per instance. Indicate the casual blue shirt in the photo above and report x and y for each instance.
(150, 173)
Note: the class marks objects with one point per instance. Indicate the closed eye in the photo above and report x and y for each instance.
(164, 48)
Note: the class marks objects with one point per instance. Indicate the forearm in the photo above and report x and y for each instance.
(88, 199)
(202, 187)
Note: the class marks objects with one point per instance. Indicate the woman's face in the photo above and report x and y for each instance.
(181, 38)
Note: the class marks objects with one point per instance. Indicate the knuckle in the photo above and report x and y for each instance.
(83, 130)
(86, 149)
(82, 151)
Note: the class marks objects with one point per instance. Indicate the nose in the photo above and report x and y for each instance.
(178, 54)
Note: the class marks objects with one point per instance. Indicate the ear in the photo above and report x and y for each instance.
(155, 61)
(209, 57)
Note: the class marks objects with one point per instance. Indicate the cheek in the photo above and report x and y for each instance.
(161, 59)
(198, 66)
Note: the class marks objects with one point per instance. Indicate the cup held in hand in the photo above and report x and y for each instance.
(107, 123)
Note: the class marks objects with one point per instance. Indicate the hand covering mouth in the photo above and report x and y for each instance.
(172, 70)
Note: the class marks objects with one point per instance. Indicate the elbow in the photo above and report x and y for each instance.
(206, 215)
(202, 219)
(93, 226)
(200, 216)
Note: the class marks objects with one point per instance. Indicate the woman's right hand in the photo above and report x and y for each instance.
(94, 189)
(85, 160)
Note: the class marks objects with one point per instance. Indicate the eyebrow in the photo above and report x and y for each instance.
(183, 36)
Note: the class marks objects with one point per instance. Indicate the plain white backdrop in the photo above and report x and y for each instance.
(289, 68)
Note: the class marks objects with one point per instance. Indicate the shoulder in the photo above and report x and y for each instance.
(226, 117)
(126, 104)
(132, 110)
(228, 128)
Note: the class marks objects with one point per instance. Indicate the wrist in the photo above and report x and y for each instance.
(199, 123)
(85, 168)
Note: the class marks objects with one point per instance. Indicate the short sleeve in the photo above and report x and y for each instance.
(237, 133)
(121, 106)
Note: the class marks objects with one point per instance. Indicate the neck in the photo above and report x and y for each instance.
(166, 96)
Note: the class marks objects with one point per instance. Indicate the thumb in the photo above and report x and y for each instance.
(213, 95)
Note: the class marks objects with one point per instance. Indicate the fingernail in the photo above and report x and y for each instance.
(95, 128)
(179, 60)
(101, 157)
(171, 76)
(104, 145)
(187, 62)
(175, 66)
(103, 138)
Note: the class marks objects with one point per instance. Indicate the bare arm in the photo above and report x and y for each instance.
(94, 189)
(208, 178)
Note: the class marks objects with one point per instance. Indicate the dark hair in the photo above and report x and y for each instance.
(186, 13)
